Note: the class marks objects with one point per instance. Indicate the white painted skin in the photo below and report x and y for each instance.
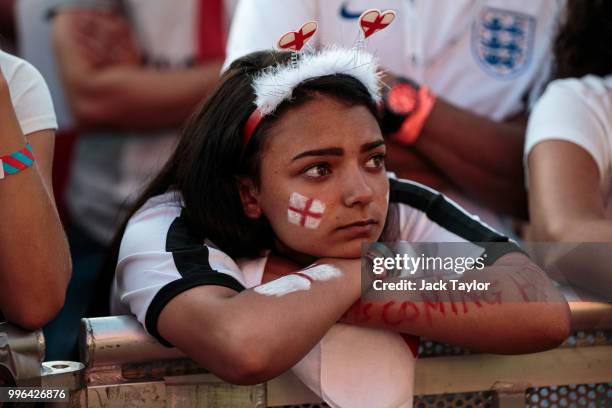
(293, 283)
(299, 202)
(283, 286)
(322, 273)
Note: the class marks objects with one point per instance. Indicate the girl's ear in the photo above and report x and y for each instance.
(248, 197)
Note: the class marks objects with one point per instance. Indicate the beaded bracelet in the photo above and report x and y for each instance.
(17, 161)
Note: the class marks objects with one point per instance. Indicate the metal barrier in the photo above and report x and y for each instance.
(21, 354)
(123, 366)
(21, 365)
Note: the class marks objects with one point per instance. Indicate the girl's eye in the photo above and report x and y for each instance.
(376, 162)
(318, 170)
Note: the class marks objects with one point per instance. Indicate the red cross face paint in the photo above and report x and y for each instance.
(305, 212)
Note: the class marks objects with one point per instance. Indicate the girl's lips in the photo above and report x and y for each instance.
(360, 228)
(361, 223)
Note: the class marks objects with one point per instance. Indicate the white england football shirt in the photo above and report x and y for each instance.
(485, 56)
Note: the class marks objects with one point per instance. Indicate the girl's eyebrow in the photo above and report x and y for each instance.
(332, 151)
(337, 151)
(372, 145)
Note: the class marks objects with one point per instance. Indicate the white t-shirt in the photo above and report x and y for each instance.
(161, 258)
(577, 111)
(481, 55)
(29, 94)
(112, 167)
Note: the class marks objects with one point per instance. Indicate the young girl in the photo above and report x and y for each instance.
(283, 166)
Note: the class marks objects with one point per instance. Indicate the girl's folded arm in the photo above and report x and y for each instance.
(521, 311)
(255, 335)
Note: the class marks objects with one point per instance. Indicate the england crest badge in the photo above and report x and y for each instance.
(502, 41)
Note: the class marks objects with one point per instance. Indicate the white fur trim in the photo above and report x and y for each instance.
(276, 84)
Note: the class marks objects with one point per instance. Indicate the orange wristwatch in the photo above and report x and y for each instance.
(406, 108)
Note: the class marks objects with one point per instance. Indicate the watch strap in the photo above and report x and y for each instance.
(411, 128)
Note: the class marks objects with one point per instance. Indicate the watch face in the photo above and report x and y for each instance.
(402, 99)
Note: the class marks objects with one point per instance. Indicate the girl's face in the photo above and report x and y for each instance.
(323, 183)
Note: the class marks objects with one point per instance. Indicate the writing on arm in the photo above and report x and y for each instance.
(483, 320)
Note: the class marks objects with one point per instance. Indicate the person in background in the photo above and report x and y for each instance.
(483, 60)
(7, 25)
(33, 44)
(34, 258)
(568, 147)
(132, 72)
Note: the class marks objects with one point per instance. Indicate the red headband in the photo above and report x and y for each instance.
(251, 126)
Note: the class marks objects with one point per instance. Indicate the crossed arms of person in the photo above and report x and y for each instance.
(106, 81)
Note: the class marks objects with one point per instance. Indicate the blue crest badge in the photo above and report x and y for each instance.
(502, 41)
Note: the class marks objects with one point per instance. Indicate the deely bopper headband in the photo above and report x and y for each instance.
(276, 84)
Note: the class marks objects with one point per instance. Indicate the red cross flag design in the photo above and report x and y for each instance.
(372, 21)
(296, 40)
(304, 211)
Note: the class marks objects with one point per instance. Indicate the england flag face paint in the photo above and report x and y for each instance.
(304, 211)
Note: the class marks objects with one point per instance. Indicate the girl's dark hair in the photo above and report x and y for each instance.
(210, 157)
(581, 46)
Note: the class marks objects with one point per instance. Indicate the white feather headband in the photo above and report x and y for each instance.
(276, 84)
